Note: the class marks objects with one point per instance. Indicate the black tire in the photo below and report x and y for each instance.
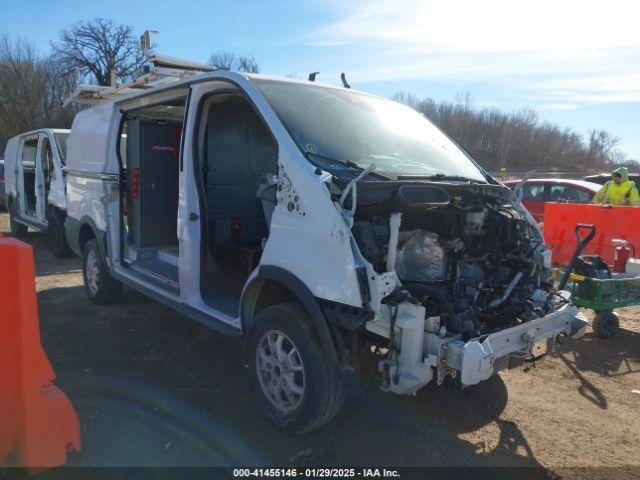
(57, 239)
(605, 324)
(454, 384)
(17, 229)
(99, 285)
(322, 388)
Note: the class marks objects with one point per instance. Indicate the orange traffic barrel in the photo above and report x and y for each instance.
(38, 424)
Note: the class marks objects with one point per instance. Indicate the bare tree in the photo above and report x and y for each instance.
(222, 60)
(21, 85)
(31, 90)
(246, 63)
(99, 47)
(517, 140)
(601, 144)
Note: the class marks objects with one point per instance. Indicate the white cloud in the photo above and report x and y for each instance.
(324, 43)
(562, 51)
(558, 106)
(593, 89)
(492, 25)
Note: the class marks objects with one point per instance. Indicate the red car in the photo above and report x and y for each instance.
(537, 191)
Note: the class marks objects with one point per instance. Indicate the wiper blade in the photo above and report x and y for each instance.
(438, 176)
(347, 163)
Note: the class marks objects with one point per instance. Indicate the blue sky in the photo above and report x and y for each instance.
(577, 63)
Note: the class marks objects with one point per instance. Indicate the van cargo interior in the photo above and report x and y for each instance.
(151, 138)
(238, 153)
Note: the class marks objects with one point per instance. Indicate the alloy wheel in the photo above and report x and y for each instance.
(280, 371)
(92, 272)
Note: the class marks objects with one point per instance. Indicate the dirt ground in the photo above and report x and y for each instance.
(153, 388)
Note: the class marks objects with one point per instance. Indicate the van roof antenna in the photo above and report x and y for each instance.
(343, 77)
(312, 76)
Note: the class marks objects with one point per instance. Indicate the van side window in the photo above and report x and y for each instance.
(29, 154)
(61, 143)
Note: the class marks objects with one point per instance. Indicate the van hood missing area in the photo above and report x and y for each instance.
(467, 251)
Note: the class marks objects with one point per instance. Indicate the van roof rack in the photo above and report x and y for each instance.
(161, 70)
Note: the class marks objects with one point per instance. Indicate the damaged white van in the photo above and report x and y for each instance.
(35, 184)
(319, 225)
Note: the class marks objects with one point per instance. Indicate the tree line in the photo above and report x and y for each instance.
(99, 51)
(102, 52)
(519, 141)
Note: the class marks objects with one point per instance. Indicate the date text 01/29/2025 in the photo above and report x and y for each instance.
(315, 472)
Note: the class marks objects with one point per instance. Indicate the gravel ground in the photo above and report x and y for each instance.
(153, 388)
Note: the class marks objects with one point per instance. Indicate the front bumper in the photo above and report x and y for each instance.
(478, 359)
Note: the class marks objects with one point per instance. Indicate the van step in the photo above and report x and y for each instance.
(143, 254)
(168, 257)
(162, 275)
(30, 223)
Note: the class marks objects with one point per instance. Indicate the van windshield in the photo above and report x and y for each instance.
(61, 142)
(341, 130)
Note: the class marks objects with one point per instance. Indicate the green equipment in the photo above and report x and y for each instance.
(592, 285)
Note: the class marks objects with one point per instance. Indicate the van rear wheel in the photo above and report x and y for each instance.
(99, 285)
(296, 386)
(57, 240)
(17, 229)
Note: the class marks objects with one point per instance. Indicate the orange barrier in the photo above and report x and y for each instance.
(38, 424)
(560, 220)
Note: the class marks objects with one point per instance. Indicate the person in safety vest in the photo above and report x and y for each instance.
(619, 190)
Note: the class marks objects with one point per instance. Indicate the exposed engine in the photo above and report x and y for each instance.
(464, 251)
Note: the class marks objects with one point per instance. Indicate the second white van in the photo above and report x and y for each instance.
(35, 185)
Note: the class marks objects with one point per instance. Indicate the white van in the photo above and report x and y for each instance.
(35, 184)
(320, 225)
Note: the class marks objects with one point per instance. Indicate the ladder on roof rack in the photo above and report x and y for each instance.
(162, 70)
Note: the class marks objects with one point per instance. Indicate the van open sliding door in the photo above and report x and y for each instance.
(27, 181)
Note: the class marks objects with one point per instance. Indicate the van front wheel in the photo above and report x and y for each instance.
(99, 285)
(57, 240)
(297, 388)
